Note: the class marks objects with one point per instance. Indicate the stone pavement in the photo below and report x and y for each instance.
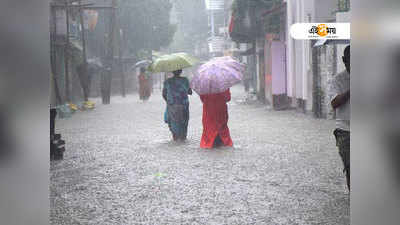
(120, 167)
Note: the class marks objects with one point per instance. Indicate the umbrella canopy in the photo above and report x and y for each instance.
(217, 75)
(230, 62)
(143, 63)
(172, 62)
(94, 64)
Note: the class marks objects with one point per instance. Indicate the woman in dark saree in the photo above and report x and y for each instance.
(175, 93)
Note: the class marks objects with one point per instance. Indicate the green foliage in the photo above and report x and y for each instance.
(271, 22)
(146, 25)
(192, 22)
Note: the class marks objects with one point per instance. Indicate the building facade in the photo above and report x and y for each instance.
(309, 68)
(290, 73)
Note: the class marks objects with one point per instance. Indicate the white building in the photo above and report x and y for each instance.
(301, 76)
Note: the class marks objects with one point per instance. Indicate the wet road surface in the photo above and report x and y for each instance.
(120, 167)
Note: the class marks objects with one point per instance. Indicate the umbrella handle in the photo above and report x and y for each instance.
(210, 87)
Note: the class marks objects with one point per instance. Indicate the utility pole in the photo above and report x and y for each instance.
(84, 77)
(109, 57)
(53, 54)
(83, 33)
(66, 55)
(212, 23)
(212, 30)
(120, 63)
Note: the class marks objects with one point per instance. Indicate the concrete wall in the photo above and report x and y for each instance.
(326, 70)
(298, 51)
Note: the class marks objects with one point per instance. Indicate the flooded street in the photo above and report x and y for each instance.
(120, 167)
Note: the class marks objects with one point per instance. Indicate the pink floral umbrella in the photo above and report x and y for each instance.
(217, 75)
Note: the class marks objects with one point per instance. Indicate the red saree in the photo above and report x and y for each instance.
(144, 87)
(215, 119)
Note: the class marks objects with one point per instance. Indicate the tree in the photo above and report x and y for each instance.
(146, 25)
(192, 25)
(271, 21)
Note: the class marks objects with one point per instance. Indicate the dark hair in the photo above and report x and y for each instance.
(177, 72)
(142, 69)
(346, 51)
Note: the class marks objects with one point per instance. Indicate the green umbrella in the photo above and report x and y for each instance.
(172, 62)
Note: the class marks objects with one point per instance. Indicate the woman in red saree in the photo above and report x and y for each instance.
(215, 120)
(144, 85)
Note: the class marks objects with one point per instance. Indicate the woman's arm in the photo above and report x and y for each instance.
(227, 95)
(340, 99)
(188, 85)
(164, 92)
